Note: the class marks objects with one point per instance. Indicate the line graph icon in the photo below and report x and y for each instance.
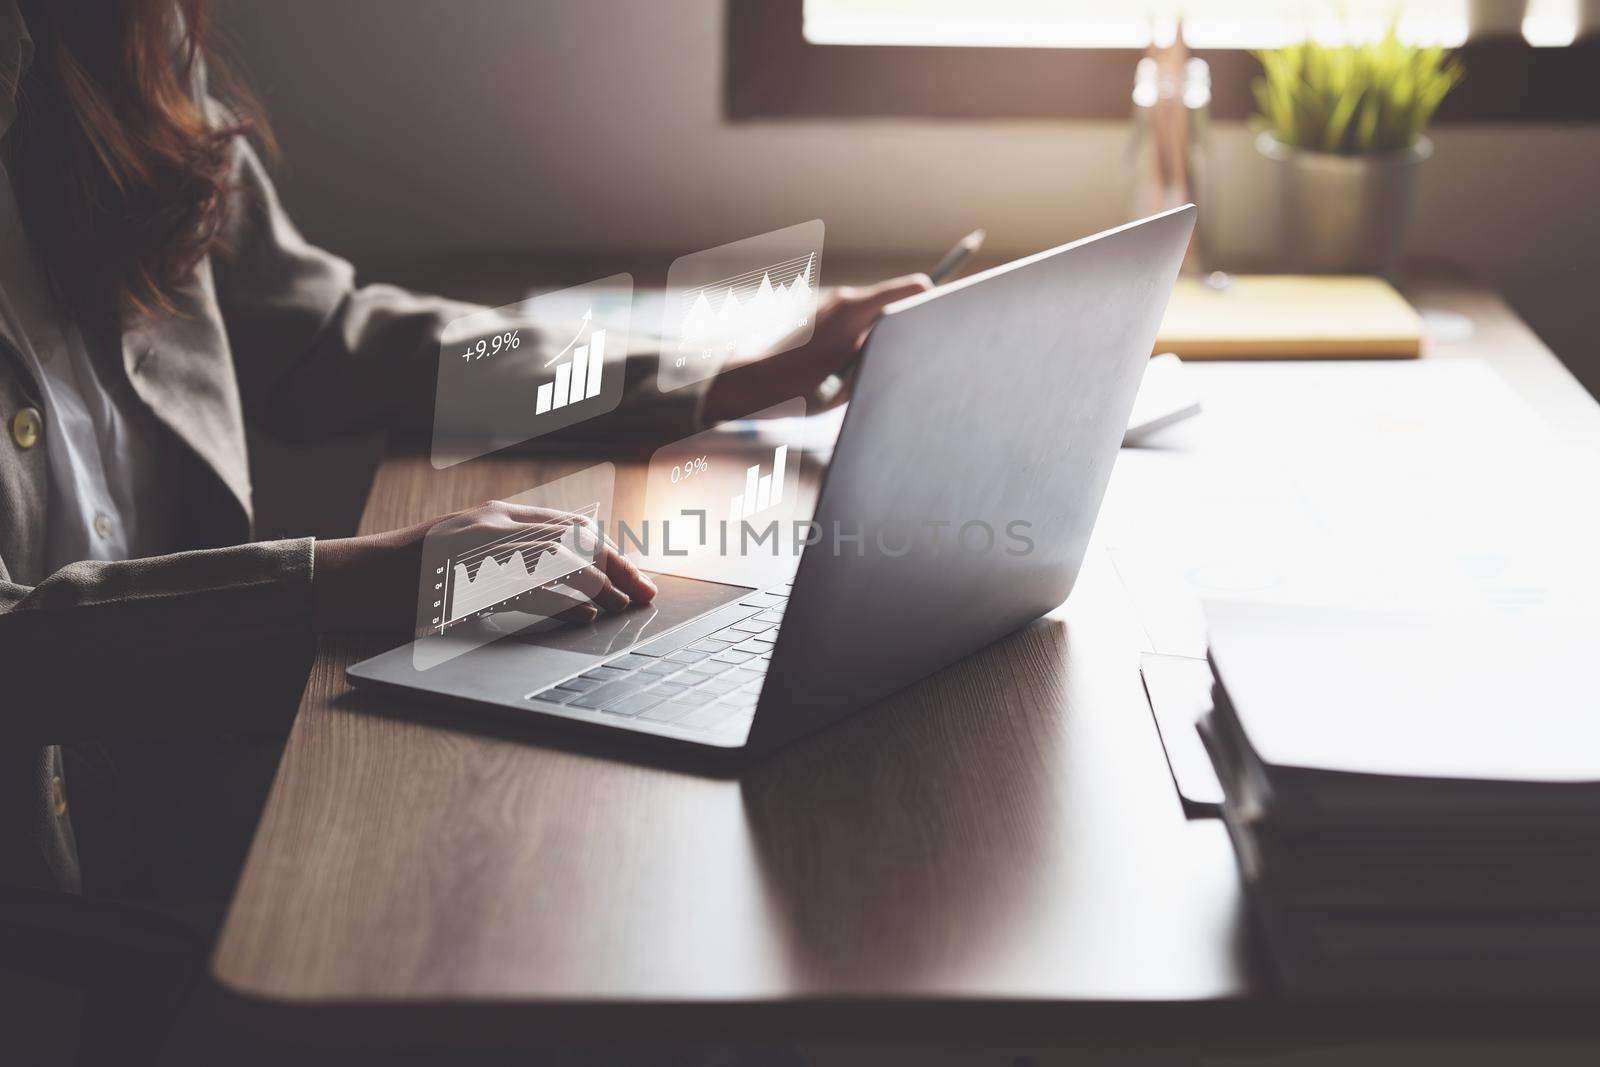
(748, 313)
(496, 573)
(739, 302)
(482, 581)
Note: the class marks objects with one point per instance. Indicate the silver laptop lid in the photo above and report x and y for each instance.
(984, 423)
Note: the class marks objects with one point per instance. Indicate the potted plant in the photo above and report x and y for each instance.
(1343, 125)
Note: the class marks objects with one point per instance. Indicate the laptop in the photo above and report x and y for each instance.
(957, 508)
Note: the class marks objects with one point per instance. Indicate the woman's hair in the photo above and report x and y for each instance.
(122, 178)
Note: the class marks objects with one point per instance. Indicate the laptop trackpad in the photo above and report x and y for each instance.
(531, 658)
(677, 601)
(544, 654)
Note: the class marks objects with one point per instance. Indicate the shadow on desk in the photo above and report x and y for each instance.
(571, 738)
(901, 845)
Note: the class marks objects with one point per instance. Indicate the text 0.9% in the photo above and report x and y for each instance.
(689, 468)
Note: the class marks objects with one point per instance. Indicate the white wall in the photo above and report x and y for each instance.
(419, 126)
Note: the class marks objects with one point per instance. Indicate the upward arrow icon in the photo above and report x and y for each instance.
(588, 314)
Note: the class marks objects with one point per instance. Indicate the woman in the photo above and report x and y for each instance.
(154, 297)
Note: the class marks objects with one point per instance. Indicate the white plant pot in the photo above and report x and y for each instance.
(1495, 18)
(1340, 214)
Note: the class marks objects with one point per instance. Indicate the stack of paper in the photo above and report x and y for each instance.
(1415, 801)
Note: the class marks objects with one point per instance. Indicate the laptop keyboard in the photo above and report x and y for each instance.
(691, 678)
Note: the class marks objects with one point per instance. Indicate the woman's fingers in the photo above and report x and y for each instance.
(858, 308)
(524, 514)
(585, 575)
(552, 603)
(582, 595)
(594, 583)
(889, 290)
(578, 615)
(625, 575)
(584, 538)
(568, 609)
(557, 558)
(844, 322)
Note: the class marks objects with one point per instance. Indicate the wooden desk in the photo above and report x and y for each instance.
(995, 852)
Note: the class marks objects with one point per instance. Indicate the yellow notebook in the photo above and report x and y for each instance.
(1290, 316)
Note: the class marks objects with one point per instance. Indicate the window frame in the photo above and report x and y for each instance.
(772, 72)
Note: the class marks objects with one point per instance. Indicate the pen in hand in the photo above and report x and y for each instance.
(946, 268)
(959, 253)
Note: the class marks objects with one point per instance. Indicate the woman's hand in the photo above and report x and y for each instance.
(371, 583)
(843, 322)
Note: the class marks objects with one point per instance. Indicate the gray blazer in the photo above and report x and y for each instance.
(215, 638)
(211, 639)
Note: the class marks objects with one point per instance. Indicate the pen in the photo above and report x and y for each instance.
(959, 253)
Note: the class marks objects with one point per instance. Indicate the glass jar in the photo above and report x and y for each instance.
(1168, 158)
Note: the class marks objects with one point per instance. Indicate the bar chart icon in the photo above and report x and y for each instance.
(577, 378)
(761, 491)
(513, 373)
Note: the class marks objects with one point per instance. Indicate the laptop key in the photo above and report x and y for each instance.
(630, 662)
(671, 710)
(580, 684)
(691, 632)
(751, 626)
(732, 656)
(707, 717)
(662, 667)
(772, 615)
(635, 704)
(716, 687)
(555, 695)
(710, 645)
(604, 674)
(609, 694)
(686, 657)
(762, 600)
(754, 646)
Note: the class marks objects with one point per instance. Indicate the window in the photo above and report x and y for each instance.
(1075, 58)
(1207, 23)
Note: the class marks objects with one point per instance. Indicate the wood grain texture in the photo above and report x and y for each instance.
(997, 846)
